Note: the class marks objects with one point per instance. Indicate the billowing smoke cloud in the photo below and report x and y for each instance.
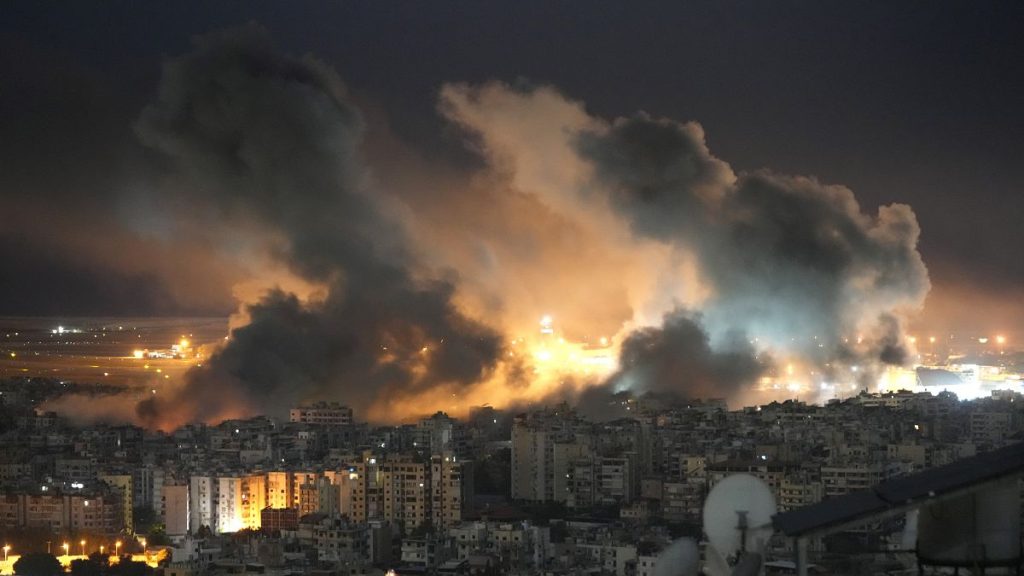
(410, 288)
(677, 357)
(271, 144)
(791, 261)
(790, 265)
(673, 362)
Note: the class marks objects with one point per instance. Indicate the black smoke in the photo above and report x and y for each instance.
(678, 357)
(792, 262)
(270, 143)
(674, 363)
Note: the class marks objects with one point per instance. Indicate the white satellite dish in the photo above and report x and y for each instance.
(737, 518)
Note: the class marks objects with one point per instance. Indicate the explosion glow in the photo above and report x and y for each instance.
(582, 254)
(556, 357)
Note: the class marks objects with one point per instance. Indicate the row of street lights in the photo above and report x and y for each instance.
(117, 547)
(67, 548)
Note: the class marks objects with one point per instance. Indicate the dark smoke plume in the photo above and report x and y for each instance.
(270, 147)
(676, 362)
(271, 142)
(792, 262)
(677, 357)
(791, 265)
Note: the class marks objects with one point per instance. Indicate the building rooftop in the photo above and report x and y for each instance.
(902, 493)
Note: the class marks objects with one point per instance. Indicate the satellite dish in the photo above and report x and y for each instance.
(737, 519)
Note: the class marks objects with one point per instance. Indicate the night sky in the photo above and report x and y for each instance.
(914, 102)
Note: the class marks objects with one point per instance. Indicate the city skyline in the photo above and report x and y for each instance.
(524, 288)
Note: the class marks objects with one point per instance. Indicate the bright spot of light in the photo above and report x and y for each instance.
(545, 325)
(983, 340)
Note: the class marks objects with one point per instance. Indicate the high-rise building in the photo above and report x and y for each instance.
(279, 490)
(230, 516)
(564, 457)
(544, 447)
(148, 486)
(405, 490)
(254, 499)
(122, 483)
(202, 502)
(451, 484)
(532, 455)
(297, 480)
(440, 433)
(319, 495)
(176, 512)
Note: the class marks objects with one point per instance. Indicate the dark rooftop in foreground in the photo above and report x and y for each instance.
(899, 494)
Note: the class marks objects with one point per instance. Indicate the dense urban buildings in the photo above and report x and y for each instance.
(545, 491)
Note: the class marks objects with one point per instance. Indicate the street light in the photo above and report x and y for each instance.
(7, 548)
(101, 549)
(117, 547)
(83, 547)
(143, 542)
(65, 546)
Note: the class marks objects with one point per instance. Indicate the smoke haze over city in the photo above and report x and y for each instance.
(549, 247)
(524, 288)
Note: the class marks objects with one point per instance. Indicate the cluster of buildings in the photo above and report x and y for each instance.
(544, 492)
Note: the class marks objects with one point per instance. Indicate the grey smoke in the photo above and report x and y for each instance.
(270, 145)
(673, 362)
(272, 142)
(677, 357)
(792, 262)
